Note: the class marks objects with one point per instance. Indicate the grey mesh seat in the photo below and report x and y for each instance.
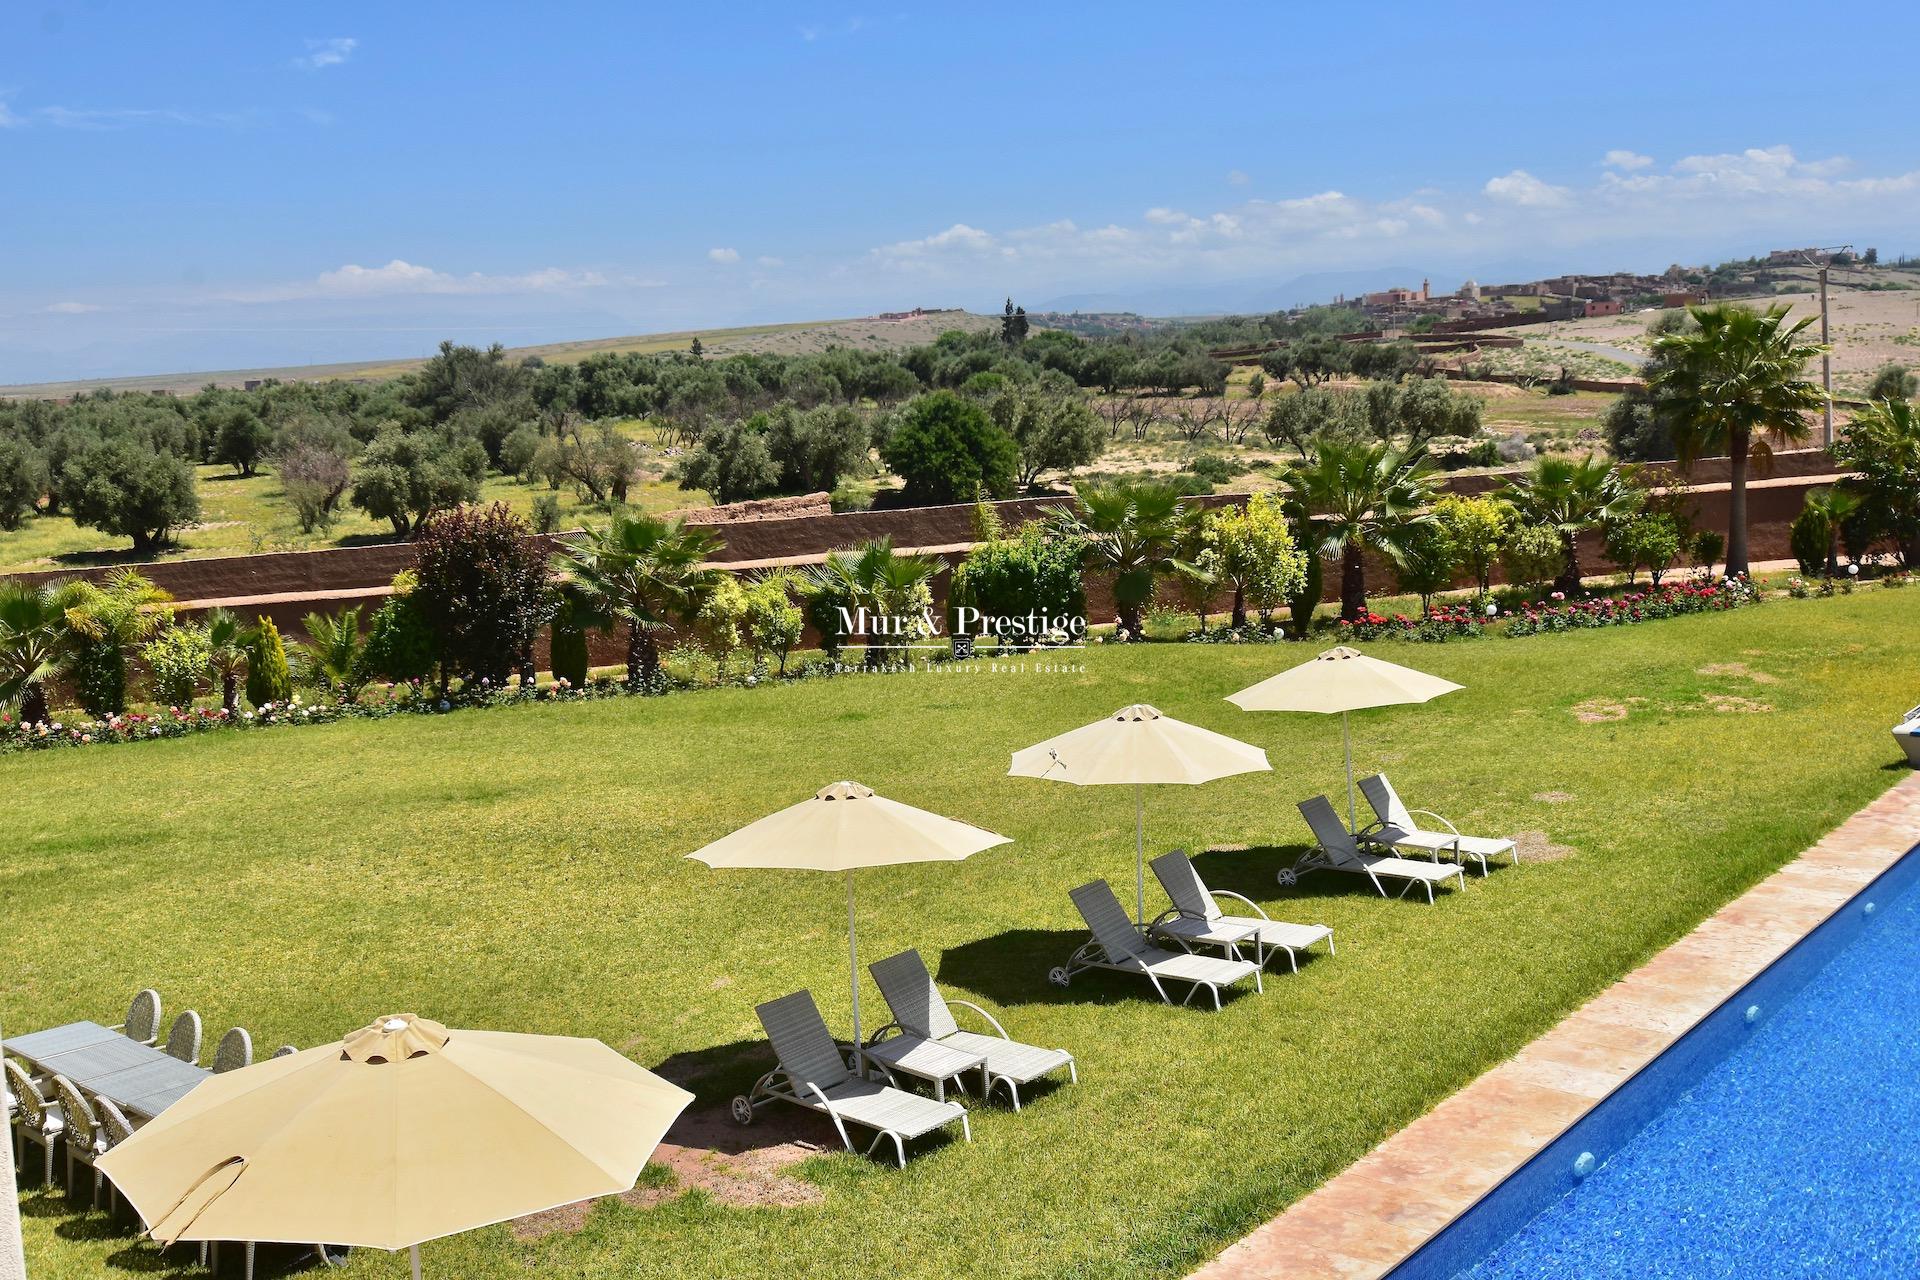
(1338, 849)
(39, 1121)
(1196, 919)
(1397, 827)
(234, 1051)
(183, 1041)
(143, 1018)
(1117, 945)
(922, 1015)
(813, 1074)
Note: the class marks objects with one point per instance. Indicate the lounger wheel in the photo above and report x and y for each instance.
(741, 1109)
(1057, 975)
(1288, 877)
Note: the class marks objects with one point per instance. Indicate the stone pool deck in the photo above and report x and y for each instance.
(1367, 1220)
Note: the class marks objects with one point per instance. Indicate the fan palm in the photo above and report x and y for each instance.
(334, 655)
(1361, 497)
(36, 643)
(893, 592)
(1832, 507)
(1730, 383)
(229, 644)
(645, 572)
(110, 619)
(1570, 498)
(1132, 531)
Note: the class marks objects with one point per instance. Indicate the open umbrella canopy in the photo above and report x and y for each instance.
(1138, 746)
(1342, 679)
(844, 827)
(403, 1132)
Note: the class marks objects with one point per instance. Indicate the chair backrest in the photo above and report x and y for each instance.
(1331, 834)
(1386, 803)
(143, 1017)
(801, 1041)
(27, 1095)
(183, 1042)
(113, 1122)
(1176, 874)
(74, 1110)
(917, 1004)
(234, 1051)
(1108, 920)
(285, 1051)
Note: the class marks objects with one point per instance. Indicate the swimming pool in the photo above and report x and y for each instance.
(1780, 1137)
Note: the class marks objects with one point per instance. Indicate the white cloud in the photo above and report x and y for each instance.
(327, 53)
(73, 308)
(402, 277)
(1237, 177)
(99, 119)
(723, 255)
(1628, 160)
(959, 236)
(1525, 190)
(8, 120)
(1164, 216)
(768, 260)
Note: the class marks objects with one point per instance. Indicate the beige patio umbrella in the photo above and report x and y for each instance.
(1137, 746)
(403, 1132)
(844, 827)
(1342, 679)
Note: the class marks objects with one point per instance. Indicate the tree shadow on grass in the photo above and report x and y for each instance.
(1252, 872)
(1010, 968)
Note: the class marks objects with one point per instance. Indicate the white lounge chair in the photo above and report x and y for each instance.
(812, 1074)
(1398, 829)
(922, 1017)
(1196, 919)
(1117, 945)
(1338, 850)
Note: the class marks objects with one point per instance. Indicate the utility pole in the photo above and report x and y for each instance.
(1826, 354)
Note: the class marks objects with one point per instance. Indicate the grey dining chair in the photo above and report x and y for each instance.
(183, 1042)
(116, 1129)
(285, 1051)
(234, 1051)
(143, 1018)
(83, 1138)
(40, 1120)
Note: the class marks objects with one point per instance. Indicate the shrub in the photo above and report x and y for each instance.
(1251, 549)
(774, 623)
(399, 644)
(177, 663)
(815, 448)
(1427, 564)
(546, 514)
(23, 481)
(1893, 381)
(1809, 539)
(733, 463)
(1214, 468)
(1708, 546)
(1650, 541)
(481, 588)
(108, 619)
(1533, 553)
(1032, 575)
(948, 450)
(268, 679)
(567, 640)
(721, 615)
(334, 657)
(126, 488)
(1477, 527)
(518, 451)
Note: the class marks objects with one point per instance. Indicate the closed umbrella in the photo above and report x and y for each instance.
(403, 1132)
(1137, 746)
(1342, 679)
(844, 827)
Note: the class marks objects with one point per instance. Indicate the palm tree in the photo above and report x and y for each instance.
(335, 656)
(110, 618)
(229, 644)
(1357, 498)
(893, 592)
(37, 643)
(643, 571)
(1882, 444)
(1569, 498)
(1729, 383)
(1132, 531)
(1832, 506)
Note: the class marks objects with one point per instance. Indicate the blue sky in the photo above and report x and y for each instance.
(213, 186)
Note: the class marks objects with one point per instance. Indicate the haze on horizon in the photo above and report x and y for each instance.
(198, 187)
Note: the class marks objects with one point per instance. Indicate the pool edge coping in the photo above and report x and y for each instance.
(1381, 1209)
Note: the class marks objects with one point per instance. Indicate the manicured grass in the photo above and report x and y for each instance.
(241, 515)
(523, 869)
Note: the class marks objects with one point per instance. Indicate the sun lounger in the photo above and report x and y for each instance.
(1117, 945)
(1338, 850)
(1398, 829)
(1196, 919)
(922, 1017)
(812, 1074)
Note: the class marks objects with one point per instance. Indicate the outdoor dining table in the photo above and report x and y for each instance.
(141, 1080)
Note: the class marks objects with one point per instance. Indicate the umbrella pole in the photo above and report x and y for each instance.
(1139, 855)
(853, 967)
(413, 1256)
(1346, 737)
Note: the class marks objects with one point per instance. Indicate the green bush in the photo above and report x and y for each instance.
(176, 664)
(481, 587)
(268, 679)
(774, 623)
(1030, 574)
(99, 676)
(733, 463)
(1532, 555)
(1809, 539)
(1650, 541)
(948, 450)
(399, 644)
(567, 642)
(546, 514)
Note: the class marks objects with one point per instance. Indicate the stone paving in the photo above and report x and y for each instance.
(1365, 1221)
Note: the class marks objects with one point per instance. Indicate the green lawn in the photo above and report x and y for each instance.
(523, 869)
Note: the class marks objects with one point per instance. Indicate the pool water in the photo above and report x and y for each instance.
(1779, 1139)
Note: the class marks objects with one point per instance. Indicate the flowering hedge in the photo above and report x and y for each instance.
(1436, 626)
(1640, 606)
